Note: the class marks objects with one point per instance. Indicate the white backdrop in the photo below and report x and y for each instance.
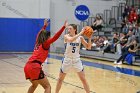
(29, 8)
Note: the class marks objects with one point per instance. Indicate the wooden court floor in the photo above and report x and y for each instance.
(102, 76)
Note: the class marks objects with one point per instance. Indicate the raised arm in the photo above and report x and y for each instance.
(46, 23)
(56, 36)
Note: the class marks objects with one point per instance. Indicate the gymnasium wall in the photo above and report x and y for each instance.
(20, 21)
(61, 10)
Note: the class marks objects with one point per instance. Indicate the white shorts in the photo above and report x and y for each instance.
(69, 64)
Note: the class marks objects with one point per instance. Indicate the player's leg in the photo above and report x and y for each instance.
(59, 82)
(84, 82)
(43, 81)
(64, 69)
(45, 84)
(29, 74)
(33, 86)
(80, 71)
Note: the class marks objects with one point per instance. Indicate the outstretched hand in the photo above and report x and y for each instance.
(66, 23)
(46, 22)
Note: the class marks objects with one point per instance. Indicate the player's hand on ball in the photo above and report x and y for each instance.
(88, 31)
(82, 31)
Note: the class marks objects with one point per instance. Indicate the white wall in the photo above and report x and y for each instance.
(64, 9)
(25, 8)
(57, 10)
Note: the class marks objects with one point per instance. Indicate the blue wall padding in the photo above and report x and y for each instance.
(19, 34)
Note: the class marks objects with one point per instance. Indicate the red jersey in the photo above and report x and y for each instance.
(40, 53)
(133, 17)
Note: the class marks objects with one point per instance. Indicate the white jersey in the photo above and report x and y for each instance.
(73, 48)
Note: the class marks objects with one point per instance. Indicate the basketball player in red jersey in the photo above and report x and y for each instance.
(33, 70)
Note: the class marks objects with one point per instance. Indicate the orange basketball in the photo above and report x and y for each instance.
(88, 31)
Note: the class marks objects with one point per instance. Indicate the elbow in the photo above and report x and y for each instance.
(88, 47)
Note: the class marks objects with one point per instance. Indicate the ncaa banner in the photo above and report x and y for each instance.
(82, 12)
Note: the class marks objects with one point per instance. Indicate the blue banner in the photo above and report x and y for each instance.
(82, 12)
(19, 34)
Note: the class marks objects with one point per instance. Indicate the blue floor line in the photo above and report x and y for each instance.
(104, 66)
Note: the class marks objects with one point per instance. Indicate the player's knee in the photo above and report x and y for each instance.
(34, 86)
(47, 86)
(60, 80)
(83, 79)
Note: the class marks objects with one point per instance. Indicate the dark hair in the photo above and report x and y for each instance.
(116, 33)
(74, 27)
(42, 37)
(99, 16)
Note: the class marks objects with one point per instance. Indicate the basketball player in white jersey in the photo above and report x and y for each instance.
(72, 56)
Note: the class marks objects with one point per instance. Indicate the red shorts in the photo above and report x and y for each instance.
(33, 71)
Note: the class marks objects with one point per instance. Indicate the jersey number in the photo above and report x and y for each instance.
(73, 49)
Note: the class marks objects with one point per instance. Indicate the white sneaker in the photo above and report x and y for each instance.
(115, 62)
(119, 63)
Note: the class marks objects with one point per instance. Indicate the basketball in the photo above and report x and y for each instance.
(88, 31)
